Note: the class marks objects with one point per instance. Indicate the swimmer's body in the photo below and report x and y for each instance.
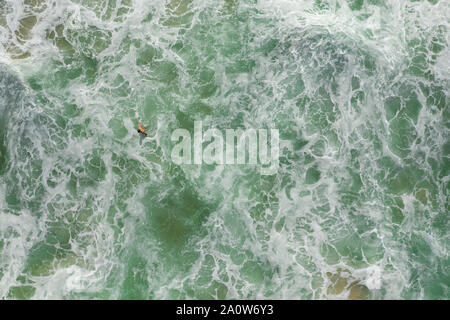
(141, 129)
(142, 133)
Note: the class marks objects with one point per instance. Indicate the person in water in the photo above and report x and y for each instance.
(141, 129)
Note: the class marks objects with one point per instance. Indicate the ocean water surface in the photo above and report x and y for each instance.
(359, 205)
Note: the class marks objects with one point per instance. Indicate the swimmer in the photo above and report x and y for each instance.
(142, 133)
(141, 130)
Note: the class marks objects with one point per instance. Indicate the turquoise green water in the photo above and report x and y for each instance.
(358, 208)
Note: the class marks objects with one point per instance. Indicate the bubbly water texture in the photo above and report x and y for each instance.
(358, 209)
